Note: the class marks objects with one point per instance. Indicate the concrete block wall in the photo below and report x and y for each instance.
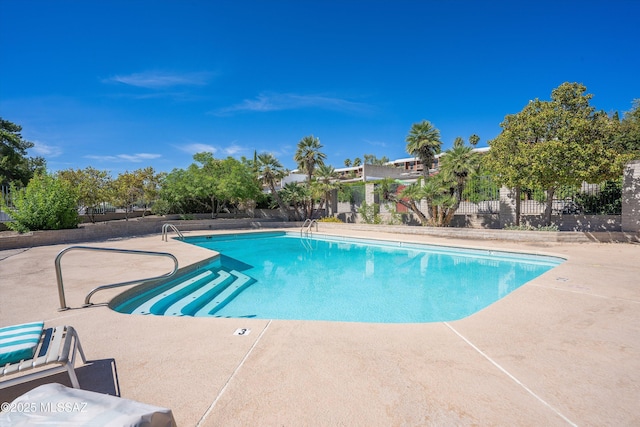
(630, 220)
(120, 229)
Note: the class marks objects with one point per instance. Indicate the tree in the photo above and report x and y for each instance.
(372, 159)
(127, 189)
(270, 170)
(47, 203)
(210, 184)
(175, 193)
(442, 192)
(357, 161)
(15, 166)
(628, 138)
(150, 186)
(474, 139)
(409, 197)
(298, 196)
(457, 166)
(326, 182)
(555, 143)
(308, 155)
(347, 163)
(235, 182)
(193, 189)
(92, 186)
(424, 143)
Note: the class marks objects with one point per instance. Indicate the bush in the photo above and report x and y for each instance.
(370, 213)
(607, 202)
(161, 207)
(527, 227)
(330, 219)
(47, 203)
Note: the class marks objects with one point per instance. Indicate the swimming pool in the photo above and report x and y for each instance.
(281, 275)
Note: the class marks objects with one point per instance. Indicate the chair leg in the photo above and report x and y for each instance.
(72, 375)
(79, 347)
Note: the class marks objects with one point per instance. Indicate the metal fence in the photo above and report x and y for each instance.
(352, 193)
(588, 199)
(482, 196)
(6, 201)
(6, 195)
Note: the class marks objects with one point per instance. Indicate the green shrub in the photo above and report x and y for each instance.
(370, 213)
(606, 202)
(47, 203)
(161, 207)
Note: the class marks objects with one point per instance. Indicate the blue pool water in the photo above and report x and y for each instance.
(283, 276)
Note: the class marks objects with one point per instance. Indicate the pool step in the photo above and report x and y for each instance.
(151, 306)
(199, 297)
(241, 281)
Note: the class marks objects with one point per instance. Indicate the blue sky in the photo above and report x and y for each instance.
(121, 85)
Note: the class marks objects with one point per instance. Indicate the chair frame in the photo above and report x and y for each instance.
(58, 346)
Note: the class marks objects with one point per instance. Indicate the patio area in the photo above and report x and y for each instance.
(564, 349)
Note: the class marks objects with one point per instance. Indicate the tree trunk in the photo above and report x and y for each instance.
(518, 205)
(450, 212)
(413, 208)
(549, 205)
(283, 209)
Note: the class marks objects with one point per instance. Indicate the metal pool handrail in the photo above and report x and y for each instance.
(165, 228)
(63, 303)
(308, 223)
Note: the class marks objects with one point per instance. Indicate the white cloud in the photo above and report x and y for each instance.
(289, 101)
(197, 147)
(159, 79)
(44, 150)
(232, 150)
(134, 158)
(375, 143)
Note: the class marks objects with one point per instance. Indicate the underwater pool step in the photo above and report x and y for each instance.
(241, 281)
(147, 306)
(200, 296)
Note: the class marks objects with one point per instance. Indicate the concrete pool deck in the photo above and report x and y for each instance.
(564, 349)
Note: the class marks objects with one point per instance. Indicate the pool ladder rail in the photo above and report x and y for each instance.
(165, 229)
(308, 223)
(87, 300)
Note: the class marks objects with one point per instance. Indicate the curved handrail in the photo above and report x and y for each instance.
(63, 303)
(165, 228)
(308, 223)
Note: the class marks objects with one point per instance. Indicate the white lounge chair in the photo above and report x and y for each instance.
(29, 347)
(81, 408)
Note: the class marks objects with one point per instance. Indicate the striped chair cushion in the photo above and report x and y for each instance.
(19, 342)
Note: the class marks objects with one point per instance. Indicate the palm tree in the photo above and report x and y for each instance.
(326, 181)
(298, 196)
(270, 170)
(457, 165)
(424, 143)
(308, 155)
(409, 197)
